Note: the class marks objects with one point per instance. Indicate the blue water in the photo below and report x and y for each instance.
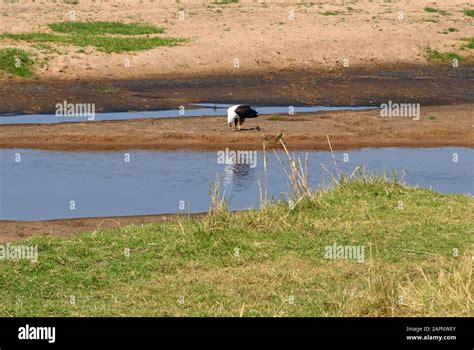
(203, 110)
(43, 183)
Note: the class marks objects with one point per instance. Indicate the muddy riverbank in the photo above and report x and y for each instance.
(438, 126)
(16, 230)
(427, 85)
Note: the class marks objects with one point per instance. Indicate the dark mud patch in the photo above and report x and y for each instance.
(427, 85)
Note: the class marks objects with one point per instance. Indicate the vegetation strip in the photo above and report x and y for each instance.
(101, 43)
(100, 28)
(15, 62)
(276, 261)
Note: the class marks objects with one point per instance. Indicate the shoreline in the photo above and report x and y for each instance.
(13, 230)
(196, 147)
(18, 230)
(439, 126)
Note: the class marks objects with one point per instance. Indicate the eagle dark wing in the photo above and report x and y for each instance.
(244, 111)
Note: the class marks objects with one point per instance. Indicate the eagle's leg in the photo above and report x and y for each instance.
(240, 122)
(237, 123)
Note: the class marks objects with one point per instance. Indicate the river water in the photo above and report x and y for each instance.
(39, 185)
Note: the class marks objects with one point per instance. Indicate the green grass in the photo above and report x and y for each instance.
(267, 262)
(101, 43)
(330, 13)
(15, 62)
(469, 13)
(449, 30)
(99, 28)
(436, 10)
(225, 2)
(104, 36)
(46, 48)
(469, 44)
(433, 54)
(275, 117)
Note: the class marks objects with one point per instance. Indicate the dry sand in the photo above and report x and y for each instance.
(263, 36)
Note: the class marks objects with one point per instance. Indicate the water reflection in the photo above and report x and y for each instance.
(42, 185)
(238, 177)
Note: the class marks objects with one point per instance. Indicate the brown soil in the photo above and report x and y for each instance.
(15, 230)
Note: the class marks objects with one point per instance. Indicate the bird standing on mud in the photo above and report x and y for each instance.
(237, 114)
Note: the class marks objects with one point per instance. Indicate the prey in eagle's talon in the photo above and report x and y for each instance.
(237, 114)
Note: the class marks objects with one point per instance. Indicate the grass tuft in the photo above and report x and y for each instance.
(433, 54)
(226, 2)
(469, 13)
(15, 62)
(104, 36)
(101, 43)
(436, 10)
(330, 13)
(469, 44)
(100, 28)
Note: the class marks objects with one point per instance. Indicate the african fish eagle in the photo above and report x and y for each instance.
(238, 113)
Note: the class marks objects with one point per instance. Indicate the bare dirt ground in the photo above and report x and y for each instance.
(438, 126)
(263, 36)
(15, 230)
